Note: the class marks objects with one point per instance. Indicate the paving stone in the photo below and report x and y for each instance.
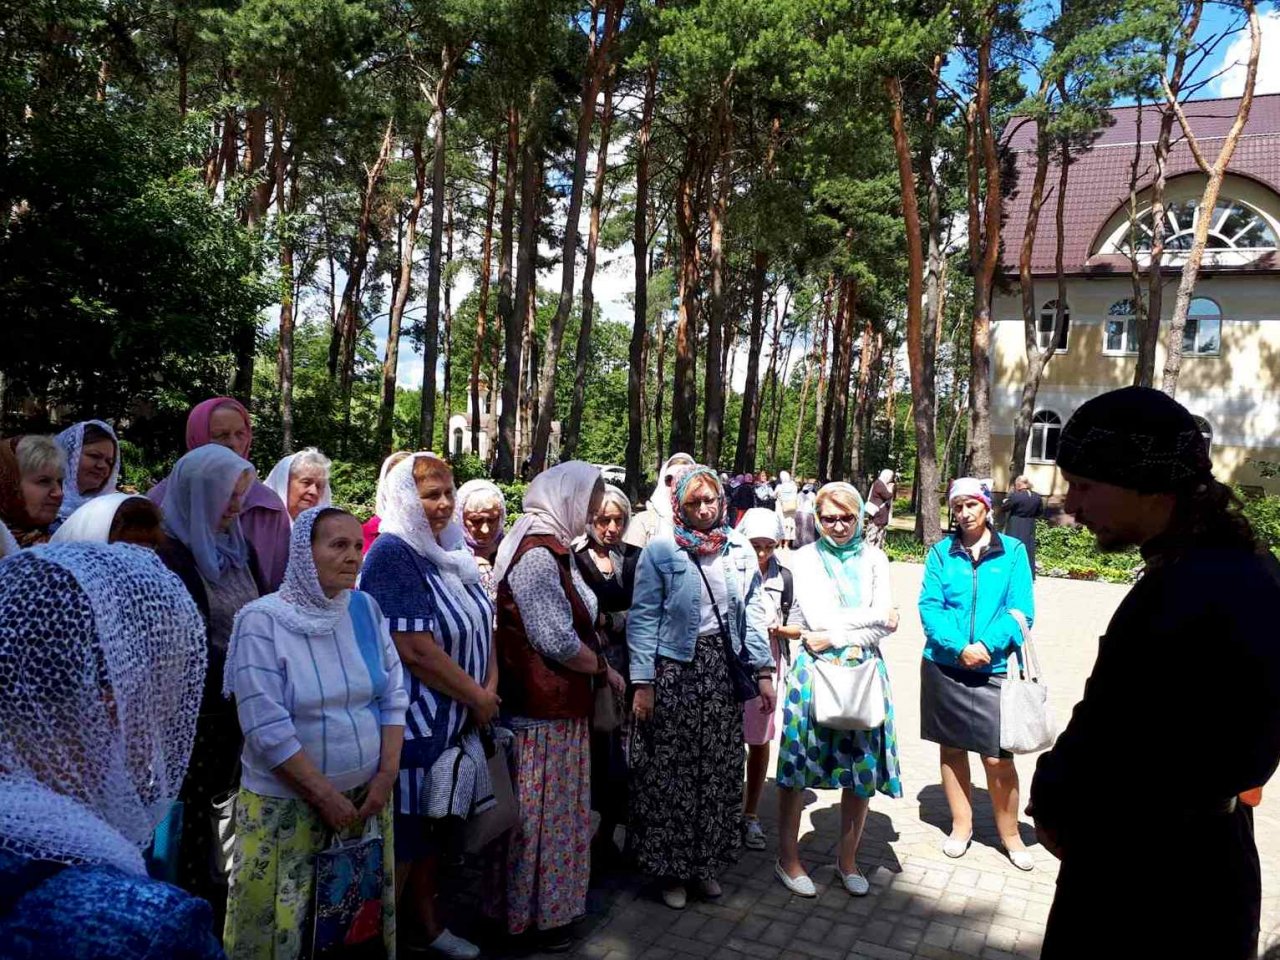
(939, 934)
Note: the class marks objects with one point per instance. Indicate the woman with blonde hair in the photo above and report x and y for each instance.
(697, 603)
(32, 469)
(844, 608)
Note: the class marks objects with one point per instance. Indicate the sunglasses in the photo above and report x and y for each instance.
(831, 520)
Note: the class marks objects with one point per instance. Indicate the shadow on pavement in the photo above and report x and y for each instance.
(935, 812)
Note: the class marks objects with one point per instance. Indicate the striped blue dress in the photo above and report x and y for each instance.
(414, 597)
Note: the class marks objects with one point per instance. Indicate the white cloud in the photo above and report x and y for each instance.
(1231, 82)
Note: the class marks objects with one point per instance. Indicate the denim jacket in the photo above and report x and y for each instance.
(666, 607)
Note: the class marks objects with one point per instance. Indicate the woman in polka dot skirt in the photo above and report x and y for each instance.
(844, 608)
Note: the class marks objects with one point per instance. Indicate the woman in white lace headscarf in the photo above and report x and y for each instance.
(321, 698)
(441, 619)
(550, 662)
(93, 463)
(482, 513)
(371, 526)
(301, 481)
(114, 518)
(656, 516)
(207, 549)
(104, 660)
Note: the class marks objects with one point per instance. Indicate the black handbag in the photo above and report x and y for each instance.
(742, 675)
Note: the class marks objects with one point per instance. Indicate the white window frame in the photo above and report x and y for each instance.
(1031, 440)
(1206, 430)
(1203, 354)
(1130, 349)
(1050, 308)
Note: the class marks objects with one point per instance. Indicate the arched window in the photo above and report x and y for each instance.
(1202, 336)
(1234, 225)
(1044, 328)
(1206, 431)
(1122, 328)
(1046, 428)
(457, 441)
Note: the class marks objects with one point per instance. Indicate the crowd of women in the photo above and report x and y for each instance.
(222, 662)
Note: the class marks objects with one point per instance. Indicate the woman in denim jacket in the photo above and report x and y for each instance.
(686, 755)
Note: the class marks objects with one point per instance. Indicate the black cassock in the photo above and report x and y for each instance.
(1181, 714)
(1021, 508)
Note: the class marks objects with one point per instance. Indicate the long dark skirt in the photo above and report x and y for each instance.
(686, 770)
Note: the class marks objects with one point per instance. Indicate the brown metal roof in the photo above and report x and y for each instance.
(1098, 182)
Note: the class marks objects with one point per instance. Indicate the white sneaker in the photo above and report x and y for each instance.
(801, 886)
(454, 947)
(753, 837)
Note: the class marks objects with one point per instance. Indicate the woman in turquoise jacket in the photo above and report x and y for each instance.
(972, 582)
(686, 747)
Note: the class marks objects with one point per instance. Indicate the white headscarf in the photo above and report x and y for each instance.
(761, 524)
(886, 476)
(92, 522)
(379, 497)
(72, 442)
(660, 499)
(555, 504)
(278, 481)
(402, 516)
(300, 605)
(195, 499)
(105, 661)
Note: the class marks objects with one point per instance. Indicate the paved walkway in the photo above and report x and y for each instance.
(921, 903)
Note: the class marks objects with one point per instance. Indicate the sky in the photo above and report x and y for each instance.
(615, 269)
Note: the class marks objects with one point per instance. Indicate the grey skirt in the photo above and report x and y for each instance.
(961, 709)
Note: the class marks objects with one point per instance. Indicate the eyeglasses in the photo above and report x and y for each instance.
(831, 520)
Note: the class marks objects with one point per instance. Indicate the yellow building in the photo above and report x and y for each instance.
(1230, 374)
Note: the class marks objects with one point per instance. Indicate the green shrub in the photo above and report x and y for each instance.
(354, 486)
(903, 546)
(466, 467)
(1073, 552)
(514, 494)
(1264, 514)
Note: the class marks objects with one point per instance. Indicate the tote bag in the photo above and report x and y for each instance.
(347, 910)
(848, 698)
(1026, 722)
(483, 828)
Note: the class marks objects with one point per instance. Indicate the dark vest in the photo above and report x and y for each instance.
(530, 684)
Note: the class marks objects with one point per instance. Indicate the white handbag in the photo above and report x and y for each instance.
(1026, 722)
(848, 698)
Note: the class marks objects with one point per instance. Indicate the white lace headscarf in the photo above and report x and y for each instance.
(104, 661)
(403, 516)
(280, 475)
(557, 503)
(300, 605)
(92, 522)
(660, 499)
(380, 497)
(72, 442)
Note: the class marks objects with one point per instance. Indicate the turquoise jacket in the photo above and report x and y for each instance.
(963, 602)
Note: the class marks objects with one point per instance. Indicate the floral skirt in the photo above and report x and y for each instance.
(864, 761)
(686, 760)
(549, 851)
(273, 878)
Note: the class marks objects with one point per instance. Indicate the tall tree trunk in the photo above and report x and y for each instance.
(920, 348)
(804, 399)
(255, 156)
(640, 319)
(979, 453)
(404, 289)
(284, 354)
(439, 99)
(684, 403)
(826, 320)
(350, 322)
(512, 320)
(1208, 199)
(659, 432)
(840, 418)
(720, 169)
(833, 384)
(573, 428)
(597, 64)
(486, 260)
(781, 379)
(445, 446)
(527, 278)
(744, 459)
(861, 404)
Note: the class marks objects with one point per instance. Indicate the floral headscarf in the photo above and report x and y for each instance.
(705, 543)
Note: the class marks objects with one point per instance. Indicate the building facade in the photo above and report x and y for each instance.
(1230, 372)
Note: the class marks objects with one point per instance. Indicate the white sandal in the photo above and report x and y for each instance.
(954, 848)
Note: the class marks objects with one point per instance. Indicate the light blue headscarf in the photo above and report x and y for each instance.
(843, 563)
(196, 497)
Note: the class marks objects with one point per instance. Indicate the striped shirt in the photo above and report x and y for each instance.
(326, 694)
(416, 598)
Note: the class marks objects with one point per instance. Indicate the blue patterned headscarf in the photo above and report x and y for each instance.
(706, 543)
(843, 561)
